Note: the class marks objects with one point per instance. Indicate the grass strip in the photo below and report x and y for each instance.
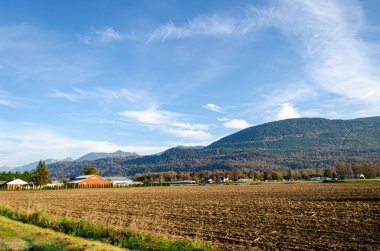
(15, 235)
(118, 237)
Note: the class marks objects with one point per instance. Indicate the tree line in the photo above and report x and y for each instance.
(40, 176)
(340, 170)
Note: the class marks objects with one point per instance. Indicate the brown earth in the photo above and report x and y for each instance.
(234, 217)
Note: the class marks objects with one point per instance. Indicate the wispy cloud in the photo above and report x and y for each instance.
(100, 95)
(203, 26)
(10, 101)
(169, 122)
(23, 143)
(28, 52)
(212, 107)
(71, 96)
(104, 35)
(325, 34)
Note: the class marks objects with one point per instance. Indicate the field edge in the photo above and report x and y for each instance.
(132, 240)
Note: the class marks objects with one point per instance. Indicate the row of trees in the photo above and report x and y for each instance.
(39, 176)
(340, 170)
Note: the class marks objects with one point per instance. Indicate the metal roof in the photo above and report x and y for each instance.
(74, 181)
(118, 179)
(84, 176)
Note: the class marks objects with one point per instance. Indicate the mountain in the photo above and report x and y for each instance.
(292, 143)
(307, 134)
(31, 166)
(5, 168)
(95, 156)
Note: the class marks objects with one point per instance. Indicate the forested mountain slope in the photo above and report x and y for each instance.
(292, 143)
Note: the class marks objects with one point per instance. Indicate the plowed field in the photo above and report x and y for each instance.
(234, 217)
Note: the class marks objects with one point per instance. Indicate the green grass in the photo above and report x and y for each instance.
(362, 180)
(19, 236)
(117, 237)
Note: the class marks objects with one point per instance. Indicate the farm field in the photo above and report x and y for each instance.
(235, 217)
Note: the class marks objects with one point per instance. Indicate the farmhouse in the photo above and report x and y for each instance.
(88, 180)
(12, 184)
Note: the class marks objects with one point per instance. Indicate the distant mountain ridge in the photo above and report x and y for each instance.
(291, 143)
(31, 166)
(5, 168)
(88, 157)
(102, 155)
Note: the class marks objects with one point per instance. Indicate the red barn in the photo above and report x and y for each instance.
(89, 181)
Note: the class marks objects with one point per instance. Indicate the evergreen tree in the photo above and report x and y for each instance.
(90, 170)
(41, 174)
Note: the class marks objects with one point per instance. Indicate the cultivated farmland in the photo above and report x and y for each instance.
(265, 216)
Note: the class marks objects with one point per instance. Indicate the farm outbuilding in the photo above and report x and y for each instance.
(13, 184)
(55, 183)
(119, 181)
(88, 180)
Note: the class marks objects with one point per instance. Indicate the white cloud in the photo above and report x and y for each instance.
(100, 95)
(212, 107)
(287, 111)
(152, 116)
(196, 135)
(74, 97)
(168, 122)
(291, 93)
(103, 35)
(211, 26)
(122, 93)
(23, 143)
(326, 35)
(223, 119)
(236, 124)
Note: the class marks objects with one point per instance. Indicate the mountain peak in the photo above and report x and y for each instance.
(102, 155)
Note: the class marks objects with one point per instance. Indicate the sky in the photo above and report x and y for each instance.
(144, 76)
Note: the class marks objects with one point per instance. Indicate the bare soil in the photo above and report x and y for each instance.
(302, 216)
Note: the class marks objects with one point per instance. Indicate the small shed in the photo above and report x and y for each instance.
(88, 181)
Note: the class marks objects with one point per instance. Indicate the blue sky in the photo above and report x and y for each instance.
(143, 76)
